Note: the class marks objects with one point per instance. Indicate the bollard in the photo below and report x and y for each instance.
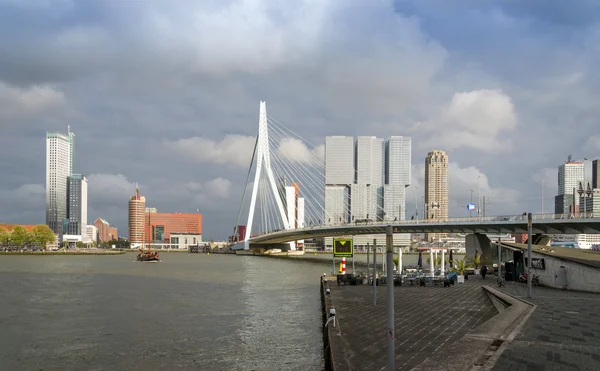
(343, 266)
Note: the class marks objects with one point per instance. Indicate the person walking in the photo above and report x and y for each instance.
(483, 271)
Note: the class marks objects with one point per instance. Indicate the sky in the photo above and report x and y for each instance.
(166, 94)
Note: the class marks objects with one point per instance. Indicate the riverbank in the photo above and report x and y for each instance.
(100, 252)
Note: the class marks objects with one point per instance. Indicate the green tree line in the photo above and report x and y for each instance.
(41, 236)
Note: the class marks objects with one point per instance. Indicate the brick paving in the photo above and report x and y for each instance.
(428, 320)
(563, 333)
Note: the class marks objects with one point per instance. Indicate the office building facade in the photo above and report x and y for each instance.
(158, 227)
(397, 176)
(436, 190)
(595, 174)
(77, 194)
(570, 174)
(339, 176)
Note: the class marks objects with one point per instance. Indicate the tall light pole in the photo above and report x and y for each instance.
(470, 211)
(478, 195)
(542, 196)
(416, 204)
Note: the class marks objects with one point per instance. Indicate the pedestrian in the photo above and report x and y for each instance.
(483, 271)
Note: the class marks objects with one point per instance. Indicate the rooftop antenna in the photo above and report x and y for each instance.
(569, 158)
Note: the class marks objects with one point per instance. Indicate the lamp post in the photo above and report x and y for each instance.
(478, 195)
(584, 194)
(416, 204)
(470, 211)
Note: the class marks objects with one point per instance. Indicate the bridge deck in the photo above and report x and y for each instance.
(544, 224)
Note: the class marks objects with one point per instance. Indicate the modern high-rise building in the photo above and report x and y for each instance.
(59, 166)
(339, 176)
(569, 175)
(397, 177)
(436, 189)
(77, 206)
(366, 195)
(137, 208)
(595, 174)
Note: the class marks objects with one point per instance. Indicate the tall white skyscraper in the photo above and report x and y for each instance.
(59, 166)
(397, 176)
(339, 176)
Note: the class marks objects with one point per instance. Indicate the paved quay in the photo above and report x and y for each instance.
(429, 321)
(563, 333)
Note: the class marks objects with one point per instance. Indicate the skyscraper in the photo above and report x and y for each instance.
(366, 196)
(397, 177)
(596, 174)
(77, 205)
(569, 175)
(59, 166)
(339, 175)
(137, 208)
(436, 189)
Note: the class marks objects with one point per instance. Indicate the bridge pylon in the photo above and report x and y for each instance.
(263, 158)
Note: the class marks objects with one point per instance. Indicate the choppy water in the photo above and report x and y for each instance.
(188, 312)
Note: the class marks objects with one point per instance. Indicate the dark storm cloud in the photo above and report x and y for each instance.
(152, 89)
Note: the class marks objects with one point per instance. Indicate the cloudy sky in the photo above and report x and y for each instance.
(166, 93)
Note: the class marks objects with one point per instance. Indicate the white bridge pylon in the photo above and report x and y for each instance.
(263, 154)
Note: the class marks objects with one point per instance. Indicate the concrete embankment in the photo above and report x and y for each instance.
(62, 252)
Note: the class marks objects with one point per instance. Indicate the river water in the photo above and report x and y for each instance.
(188, 312)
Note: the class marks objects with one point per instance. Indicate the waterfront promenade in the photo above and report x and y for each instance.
(563, 333)
(462, 327)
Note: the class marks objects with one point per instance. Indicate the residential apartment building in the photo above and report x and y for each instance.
(59, 166)
(105, 231)
(436, 190)
(137, 208)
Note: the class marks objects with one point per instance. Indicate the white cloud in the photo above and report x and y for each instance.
(295, 150)
(16, 103)
(233, 150)
(217, 188)
(475, 120)
(110, 187)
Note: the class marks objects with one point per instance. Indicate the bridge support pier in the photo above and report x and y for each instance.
(480, 243)
(540, 239)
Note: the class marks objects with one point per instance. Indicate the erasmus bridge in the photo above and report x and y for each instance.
(287, 202)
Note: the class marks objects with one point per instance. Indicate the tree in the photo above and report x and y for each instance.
(19, 236)
(460, 267)
(475, 261)
(43, 235)
(3, 236)
(80, 244)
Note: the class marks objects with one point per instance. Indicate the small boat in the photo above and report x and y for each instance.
(148, 256)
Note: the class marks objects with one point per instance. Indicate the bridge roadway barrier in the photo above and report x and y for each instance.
(360, 260)
(462, 327)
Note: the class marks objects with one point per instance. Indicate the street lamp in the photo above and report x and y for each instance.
(470, 211)
(584, 194)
